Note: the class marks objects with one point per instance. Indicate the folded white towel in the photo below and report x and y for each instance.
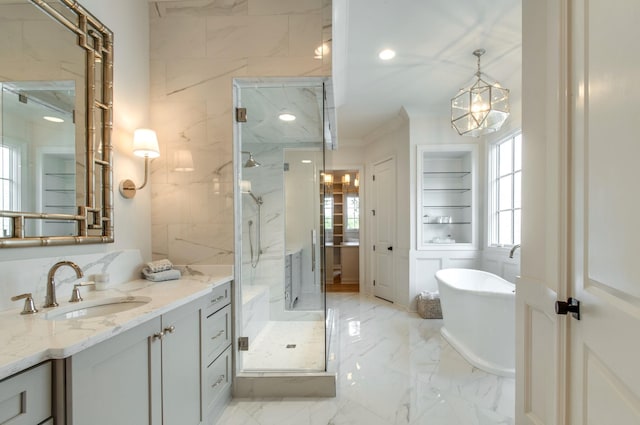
(172, 274)
(159, 266)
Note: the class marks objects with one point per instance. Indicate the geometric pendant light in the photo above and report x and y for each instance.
(481, 108)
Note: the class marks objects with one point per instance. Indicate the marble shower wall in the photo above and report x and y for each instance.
(197, 48)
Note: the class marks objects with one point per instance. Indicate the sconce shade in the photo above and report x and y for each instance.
(481, 108)
(145, 143)
(184, 161)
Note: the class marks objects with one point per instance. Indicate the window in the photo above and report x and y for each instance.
(9, 159)
(328, 212)
(505, 167)
(353, 212)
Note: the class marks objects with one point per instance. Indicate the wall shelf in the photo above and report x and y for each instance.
(447, 190)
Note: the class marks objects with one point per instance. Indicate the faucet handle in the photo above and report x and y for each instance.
(29, 305)
(75, 294)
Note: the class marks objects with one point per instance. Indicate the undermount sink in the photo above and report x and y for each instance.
(96, 308)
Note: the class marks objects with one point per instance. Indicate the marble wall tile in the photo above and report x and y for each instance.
(193, 243)
(203, 79)
(178, 38)
(302, 66)
(197, 48)
(201, 7)
(235, 37)
(30, 275)
(284, 7)
(305, 34)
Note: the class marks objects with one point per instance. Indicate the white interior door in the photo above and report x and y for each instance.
(540, 333)
(384, 222)
(605, 278)
(580, 207)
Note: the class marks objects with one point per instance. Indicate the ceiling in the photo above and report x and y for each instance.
(434, 41)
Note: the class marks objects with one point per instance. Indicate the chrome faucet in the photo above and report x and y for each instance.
(513, 250)
(50, 299)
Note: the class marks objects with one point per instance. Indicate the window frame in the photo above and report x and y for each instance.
(356, 214)
(493, 191)
(12, 177)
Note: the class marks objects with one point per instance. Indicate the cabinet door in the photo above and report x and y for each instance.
(181, 365)
(117, 381)
(25, 398)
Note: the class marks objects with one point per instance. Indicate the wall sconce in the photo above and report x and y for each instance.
(184, 161)
(346, 180)
(145, 145)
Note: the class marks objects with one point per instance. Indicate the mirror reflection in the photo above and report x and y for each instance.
(37, 152)
(56, 115)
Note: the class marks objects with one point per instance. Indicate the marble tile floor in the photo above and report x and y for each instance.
(393, 368)
(272, 349)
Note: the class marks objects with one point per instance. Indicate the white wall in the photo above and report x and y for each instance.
(399, 138)
(128, 19)
(391, 141)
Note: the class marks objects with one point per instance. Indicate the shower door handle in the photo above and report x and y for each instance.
(313, 250)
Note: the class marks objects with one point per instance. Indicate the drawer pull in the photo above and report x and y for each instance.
(171, 329)
(219, 381)
(217, 300)
(217, 335)
(158, 335)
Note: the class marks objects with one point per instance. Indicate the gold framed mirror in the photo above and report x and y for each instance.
(56, 113)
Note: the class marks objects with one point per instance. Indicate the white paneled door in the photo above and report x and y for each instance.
(605, 275)
(384, 222)
(580, 207)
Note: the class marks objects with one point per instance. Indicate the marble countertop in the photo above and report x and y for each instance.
(26, 340)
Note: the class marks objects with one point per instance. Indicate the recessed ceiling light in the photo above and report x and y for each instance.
(53, 119)
(306, 161)
(287, 117)
(387, 54)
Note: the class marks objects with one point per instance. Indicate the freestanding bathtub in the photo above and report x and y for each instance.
(478, 310)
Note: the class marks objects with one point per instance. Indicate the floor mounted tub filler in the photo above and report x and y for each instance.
(478, 310)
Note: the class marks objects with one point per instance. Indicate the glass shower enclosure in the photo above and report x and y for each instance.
(280, 137)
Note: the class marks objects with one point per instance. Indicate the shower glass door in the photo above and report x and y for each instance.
(279, 156)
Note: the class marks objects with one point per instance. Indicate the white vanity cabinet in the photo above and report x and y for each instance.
(26, 398)
(216, 325)
(151, 374)
(117, 381)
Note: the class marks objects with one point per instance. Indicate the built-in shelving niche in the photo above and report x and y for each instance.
(447, 207)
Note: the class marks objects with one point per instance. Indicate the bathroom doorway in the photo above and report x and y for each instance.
(341, 207)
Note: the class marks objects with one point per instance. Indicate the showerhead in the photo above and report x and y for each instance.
(251, 163)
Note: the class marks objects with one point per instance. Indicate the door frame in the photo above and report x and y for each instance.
(371, 231)
(541, 335)
(363, 237)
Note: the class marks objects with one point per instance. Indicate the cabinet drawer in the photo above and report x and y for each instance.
(25, 398)
(218, 298)
(218, 380)
(217, 333)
